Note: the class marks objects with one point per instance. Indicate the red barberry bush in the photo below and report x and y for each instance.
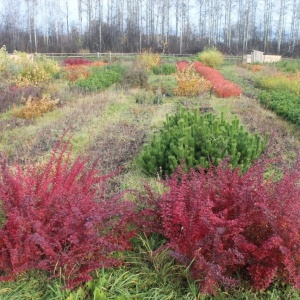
(58, 219)
(76, 61)
(230, 226)
(182, 65)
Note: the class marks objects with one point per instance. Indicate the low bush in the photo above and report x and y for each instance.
(279, 82)
(164, 69)
(285, 104)
(13, 95)
(230, 227)
(75, 72)
(58, 219)
(189, 83)
(199, 140)
(289, 66)
(101, 78)
(76, 62)
(135, 78)
(148, 60)
(35, 107)
(164, 85)
(33, 70)
(211, 57)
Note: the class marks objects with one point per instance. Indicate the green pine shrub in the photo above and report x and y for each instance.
(165, 69)
(201, 140)
(211, 57)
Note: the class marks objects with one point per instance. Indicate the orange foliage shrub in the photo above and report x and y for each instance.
(98, 64)
(76, 72)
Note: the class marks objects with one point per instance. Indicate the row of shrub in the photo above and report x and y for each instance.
(22, 69)
(285, 104)
(279, 82)
(221, 87)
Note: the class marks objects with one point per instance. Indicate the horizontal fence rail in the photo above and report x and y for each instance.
(111, 55)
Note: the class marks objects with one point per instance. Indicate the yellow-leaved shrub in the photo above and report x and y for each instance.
(35, 107)
(190, 84)
(148, 60)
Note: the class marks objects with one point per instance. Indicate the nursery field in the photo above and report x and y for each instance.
(149, 179)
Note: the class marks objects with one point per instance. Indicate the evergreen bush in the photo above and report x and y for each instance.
(200, 140)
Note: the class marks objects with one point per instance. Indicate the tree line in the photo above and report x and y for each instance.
(170, 26)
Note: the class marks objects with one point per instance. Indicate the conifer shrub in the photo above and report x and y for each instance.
(202, 140)
(230, 227)
(59, 219)
(211, 57)
(164, 69)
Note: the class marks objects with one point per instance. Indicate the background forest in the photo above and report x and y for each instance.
(171, 26)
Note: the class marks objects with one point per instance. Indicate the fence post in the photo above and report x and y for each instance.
(109, 55)
(98, 55)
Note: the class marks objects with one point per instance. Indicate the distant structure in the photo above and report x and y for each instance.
(259, 57)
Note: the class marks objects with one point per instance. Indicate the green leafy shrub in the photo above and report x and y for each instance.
(211, 57)
(101, 78)
(199, 140)
(285, 104)
(164, 85)
(165, 69)
(135, 78)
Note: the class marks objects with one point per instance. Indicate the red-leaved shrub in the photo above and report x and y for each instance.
(222, 87)
(57, 218)
(230, 226)
(182, 65)
(76, 61)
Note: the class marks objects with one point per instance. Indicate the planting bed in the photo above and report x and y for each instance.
(114, 238)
